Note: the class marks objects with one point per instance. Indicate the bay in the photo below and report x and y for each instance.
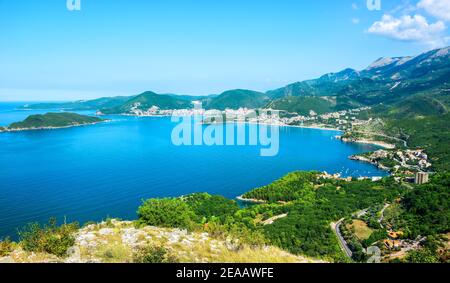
(93, 172)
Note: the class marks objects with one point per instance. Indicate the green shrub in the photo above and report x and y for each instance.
(207, 206)
(426, 208)
(153, 254)
(166, 213)
(6, 247)
(422, 256)
(49, 238)
(109, 223)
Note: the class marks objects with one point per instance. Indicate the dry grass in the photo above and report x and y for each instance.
(362, 231)
(115, 253)
(20, 256)
(257, 255)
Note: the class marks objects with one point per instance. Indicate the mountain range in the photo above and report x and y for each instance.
(387, 81)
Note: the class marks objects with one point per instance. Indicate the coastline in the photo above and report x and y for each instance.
(250, 200)
(133, 115)
(384, 145)
(364, 159)
(316, 127)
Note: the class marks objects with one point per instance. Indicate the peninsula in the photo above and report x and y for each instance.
(52, 121)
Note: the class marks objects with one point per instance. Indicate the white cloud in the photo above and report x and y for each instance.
(355, 21)
(437, 8)
(355, 6)
(410, 28)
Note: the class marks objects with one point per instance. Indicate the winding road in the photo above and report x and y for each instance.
(342, 242)
(382, 214)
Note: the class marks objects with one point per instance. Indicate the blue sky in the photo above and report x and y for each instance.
(124, 47)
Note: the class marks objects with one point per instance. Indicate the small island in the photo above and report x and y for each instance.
(52, 121)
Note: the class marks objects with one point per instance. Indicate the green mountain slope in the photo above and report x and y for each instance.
(387, 80)
(419, 105)
(147, 100)
(431, 133)
(235, 99)
(422, 120)
(304, 104)
(327, 85)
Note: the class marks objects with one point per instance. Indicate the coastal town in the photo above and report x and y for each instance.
(404, 161)
(339, 120)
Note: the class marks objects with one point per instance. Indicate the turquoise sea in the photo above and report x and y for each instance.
(93, 172)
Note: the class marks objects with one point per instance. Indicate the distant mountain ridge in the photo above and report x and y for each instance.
(385, 81)
(386, 75)
(94, 104)
(146, 100)
(230, 99)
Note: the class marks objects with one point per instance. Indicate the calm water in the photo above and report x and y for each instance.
(106, 170)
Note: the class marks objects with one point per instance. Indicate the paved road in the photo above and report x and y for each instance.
(382, 214)
(342, 242)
